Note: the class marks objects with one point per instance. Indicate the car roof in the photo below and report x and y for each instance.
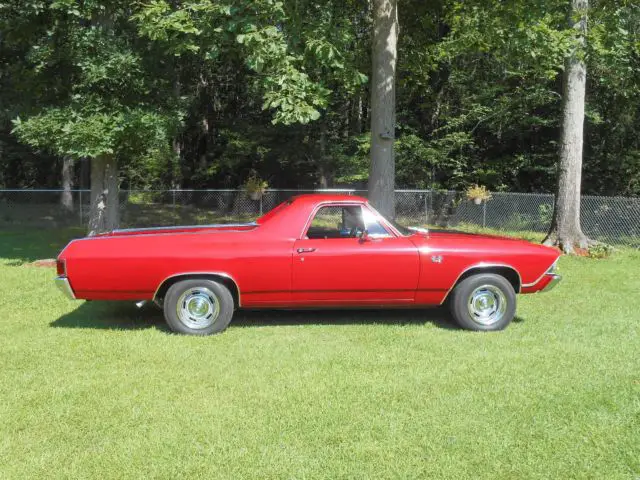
(328, 197)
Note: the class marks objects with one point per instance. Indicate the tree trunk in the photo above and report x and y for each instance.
(105, 205)
(325, 179)
(565, 231)
(85, 173)
(355, 120)
(175, 172)
(66, 199)
(383, 100)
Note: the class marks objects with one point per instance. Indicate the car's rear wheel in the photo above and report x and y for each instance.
(483, 302)
(198, 307)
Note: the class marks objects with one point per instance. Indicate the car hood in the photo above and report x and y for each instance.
(456, 240)
(459, 235)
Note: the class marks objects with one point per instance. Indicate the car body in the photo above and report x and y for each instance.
(310, 251)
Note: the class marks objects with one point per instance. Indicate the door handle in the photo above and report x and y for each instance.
(306, 250)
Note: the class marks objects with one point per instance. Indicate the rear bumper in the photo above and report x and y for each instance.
(63, 284)
(555, 279)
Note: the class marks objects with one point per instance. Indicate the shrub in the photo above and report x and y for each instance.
(600, 250)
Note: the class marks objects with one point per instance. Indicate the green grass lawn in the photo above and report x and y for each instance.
(99, 390)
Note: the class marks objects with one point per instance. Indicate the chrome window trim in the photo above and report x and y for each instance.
(314, 211)
(62, 282)
(219, 274)
(483, 265)
(346, 203)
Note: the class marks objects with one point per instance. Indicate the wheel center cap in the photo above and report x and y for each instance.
(484, 303)
(198, 307)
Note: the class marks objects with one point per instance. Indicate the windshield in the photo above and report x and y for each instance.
(404, 231)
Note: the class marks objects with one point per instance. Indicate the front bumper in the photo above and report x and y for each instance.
(62, 283)
(555, 279)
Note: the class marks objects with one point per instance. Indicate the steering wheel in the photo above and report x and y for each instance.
(353, 233)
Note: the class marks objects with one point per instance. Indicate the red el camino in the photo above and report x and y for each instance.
(310, 251)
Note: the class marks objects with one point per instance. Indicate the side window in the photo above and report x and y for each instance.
(337, 222)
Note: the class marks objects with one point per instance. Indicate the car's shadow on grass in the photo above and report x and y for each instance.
(126, 316)
(262, 318)
(112, 316)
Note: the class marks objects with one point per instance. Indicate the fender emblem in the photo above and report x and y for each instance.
(436, 258)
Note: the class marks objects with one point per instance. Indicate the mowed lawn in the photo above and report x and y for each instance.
(99, 390)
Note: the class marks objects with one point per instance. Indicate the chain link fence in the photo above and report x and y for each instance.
(614, 220)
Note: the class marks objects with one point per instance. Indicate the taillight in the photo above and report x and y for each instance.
(61, 267)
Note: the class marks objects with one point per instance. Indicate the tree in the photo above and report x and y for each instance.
(120, 102)
(111, 106)
(282, 87)
(383, 104)
(566, 231)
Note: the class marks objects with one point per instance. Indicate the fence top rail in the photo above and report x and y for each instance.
(307, 190)
(39, 190)
(177, 190)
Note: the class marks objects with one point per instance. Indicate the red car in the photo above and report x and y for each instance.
(310, 251)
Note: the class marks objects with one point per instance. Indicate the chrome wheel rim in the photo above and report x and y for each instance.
(487, 305)
(198, 308)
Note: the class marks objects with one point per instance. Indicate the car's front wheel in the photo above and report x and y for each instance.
(198, 307)
(483, 302)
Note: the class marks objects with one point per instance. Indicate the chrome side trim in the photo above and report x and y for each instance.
(555, 280)
(179, 227)
(186, 274)
(159, 234)
(546, 272)
(63, 284)
(481, 266)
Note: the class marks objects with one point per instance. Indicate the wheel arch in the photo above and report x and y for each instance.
(220, 277)
(506, 271)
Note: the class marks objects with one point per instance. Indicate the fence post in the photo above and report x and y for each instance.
(261, 204)
(431, 203)
(426, 208)
(484, 214)
(80, 203)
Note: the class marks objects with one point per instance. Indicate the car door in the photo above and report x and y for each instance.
(336, 263)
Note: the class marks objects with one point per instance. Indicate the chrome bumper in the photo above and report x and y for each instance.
(63, 284)
(555, 279)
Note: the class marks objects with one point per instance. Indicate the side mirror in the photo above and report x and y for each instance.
(364, 236)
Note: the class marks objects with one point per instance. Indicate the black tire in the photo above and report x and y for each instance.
(210, 299)
(485, 288)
